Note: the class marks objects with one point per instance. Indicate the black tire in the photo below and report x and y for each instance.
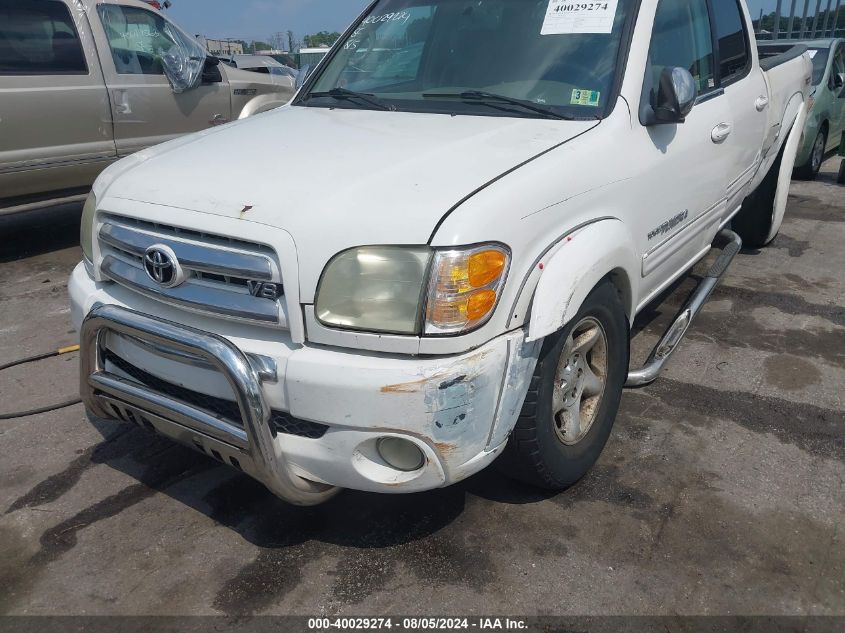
(810, 170)
(754, 221)
(535, 454)
(841, 178)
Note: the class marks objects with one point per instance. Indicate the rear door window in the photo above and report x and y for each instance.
(38, 37)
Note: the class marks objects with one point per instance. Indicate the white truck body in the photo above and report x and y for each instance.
(572, 203)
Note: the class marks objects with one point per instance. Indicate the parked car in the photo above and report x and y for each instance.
(826, 118)
(262, 64)
(85, 83)
(286, 59)
(307, 60)
(453, 277)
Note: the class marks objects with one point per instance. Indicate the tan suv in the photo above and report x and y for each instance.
(85, 82)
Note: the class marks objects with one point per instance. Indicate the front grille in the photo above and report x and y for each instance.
(280, 422)
(222, 276)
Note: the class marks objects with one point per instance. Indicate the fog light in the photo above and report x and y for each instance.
(400, 454)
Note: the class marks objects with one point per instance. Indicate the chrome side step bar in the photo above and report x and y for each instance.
(673, 336)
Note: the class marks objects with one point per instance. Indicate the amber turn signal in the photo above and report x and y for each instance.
(486, 267)
(464, 288)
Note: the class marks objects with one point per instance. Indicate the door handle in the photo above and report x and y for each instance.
(121, 102)
(721, 132)
(761, 103)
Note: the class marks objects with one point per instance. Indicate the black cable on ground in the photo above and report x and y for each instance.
(32, 359)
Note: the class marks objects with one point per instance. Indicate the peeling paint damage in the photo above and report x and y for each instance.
(474, 403)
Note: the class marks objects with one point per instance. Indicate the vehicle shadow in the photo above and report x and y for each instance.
(662, 310)
(232, 499)
(41, 231)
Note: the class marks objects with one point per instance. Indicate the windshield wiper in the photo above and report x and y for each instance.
(348, 95)
(489, 98)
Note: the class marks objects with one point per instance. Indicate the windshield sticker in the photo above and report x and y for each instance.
(566, 16)
(585, 97)
(812, 53)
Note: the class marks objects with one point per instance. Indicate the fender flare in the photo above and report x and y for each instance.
(575, 267)
(787, 164)
(263, 103)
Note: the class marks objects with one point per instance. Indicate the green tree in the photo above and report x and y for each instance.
(323, 38)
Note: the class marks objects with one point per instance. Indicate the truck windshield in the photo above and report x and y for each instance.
(528, 58)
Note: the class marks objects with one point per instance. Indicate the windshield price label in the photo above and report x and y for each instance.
(566, 16)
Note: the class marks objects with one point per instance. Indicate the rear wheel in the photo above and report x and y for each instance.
(756, 218)
(574, 396)
(810, 170)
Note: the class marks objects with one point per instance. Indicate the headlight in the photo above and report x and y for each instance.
(383, 289)
(465, 287)
(375, 288)
(86, 229)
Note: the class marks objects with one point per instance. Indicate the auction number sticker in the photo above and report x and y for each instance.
(566, 16)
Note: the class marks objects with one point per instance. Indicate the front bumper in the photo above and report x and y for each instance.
(458, 410)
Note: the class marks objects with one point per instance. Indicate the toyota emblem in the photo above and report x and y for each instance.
(162, 266)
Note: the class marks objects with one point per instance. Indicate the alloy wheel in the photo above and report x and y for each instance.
(580, 381)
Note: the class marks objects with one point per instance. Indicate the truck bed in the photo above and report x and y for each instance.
(771, 57)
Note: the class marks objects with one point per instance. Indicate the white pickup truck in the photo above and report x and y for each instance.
(449, 271)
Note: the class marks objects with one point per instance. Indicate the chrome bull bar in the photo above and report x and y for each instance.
(253, 443)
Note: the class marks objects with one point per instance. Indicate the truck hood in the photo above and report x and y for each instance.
(336, 179)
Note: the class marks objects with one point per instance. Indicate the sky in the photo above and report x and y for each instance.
(258, 19)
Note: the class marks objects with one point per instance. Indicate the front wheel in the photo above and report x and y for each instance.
(574, 396)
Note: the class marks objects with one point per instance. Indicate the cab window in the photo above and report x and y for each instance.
(138, 39)
(732, 38)
(38, 37)
(682, 37)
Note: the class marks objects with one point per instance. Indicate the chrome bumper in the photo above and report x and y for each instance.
(250, 448)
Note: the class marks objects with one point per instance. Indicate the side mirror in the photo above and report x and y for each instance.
(839, 82)
(211, 71)
(676, 94)
(302, 75)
